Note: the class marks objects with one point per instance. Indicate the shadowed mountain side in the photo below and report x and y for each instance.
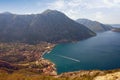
(50, 26)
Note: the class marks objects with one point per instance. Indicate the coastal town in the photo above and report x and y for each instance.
(25, 56)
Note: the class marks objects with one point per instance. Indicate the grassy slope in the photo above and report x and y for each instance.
(80, 75)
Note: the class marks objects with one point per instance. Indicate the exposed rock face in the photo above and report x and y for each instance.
(89, 75)
(92, 75)
(50, 26)
(94, 25)
(111, 76)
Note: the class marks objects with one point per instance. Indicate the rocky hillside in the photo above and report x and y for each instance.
(50, 26)
(93, 75)
(94, 25)
(79, 75)
(15, 57)
(110, 76)
(23, 53)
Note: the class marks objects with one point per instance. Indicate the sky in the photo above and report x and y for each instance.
(105, 11)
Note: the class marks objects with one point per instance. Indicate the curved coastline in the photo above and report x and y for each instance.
(106, 35)
(53, 64)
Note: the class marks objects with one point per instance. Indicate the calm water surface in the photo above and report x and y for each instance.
(99, 52)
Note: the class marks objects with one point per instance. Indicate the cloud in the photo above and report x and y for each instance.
(99, 15)
(91, 9)
(59, 4)
(103, 4)
(73, 8)
(111, 3)
(69, 7)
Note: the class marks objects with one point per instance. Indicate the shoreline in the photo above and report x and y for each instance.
(46, 51)
(78, 71)
(53, 64)
(49, 68)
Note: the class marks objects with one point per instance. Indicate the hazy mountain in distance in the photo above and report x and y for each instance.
(94, 25)
(50, 26)
(115, 25)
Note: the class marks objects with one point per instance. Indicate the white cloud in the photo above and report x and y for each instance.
(69, 7)
(99, 15)
(103, 4)
(112, 3)
(91, 9)
(59, 4)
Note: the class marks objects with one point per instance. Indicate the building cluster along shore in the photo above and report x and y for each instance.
(26, 56)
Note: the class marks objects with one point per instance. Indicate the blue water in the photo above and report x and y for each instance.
(99, 52)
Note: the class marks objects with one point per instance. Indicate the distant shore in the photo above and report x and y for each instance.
(116, 29)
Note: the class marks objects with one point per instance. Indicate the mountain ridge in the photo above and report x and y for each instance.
(49, 26)
(94, 25)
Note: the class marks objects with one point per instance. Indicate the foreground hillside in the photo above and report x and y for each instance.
(21, 56)
(49, 26)
(22, 53)
(20, 61)
(94, 25)
(93, 75)
(80, 75)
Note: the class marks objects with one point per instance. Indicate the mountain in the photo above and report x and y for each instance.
(116, 29)
(50, 26)
(115, 25)
(94, 25)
